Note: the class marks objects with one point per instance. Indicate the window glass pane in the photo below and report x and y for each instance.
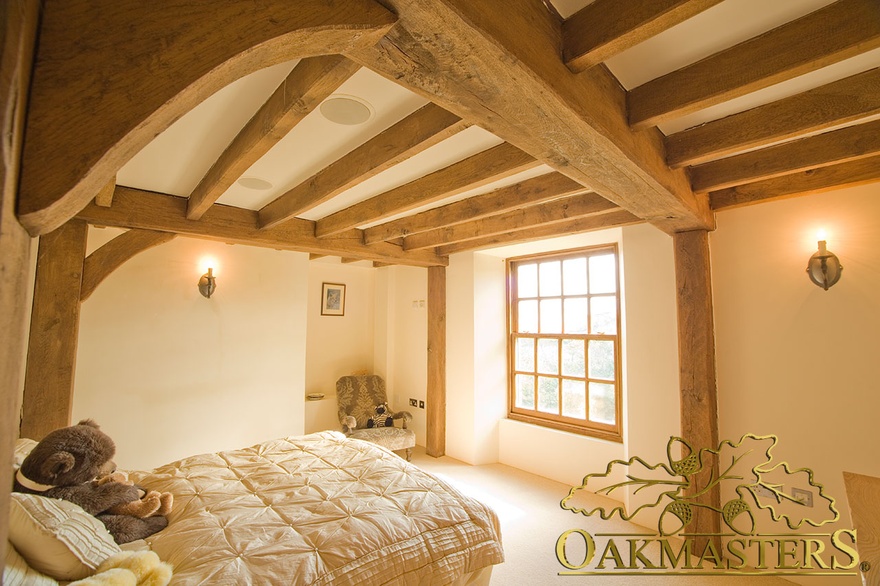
(551, 316)
(603, 315)
(548, 356)
(601, 359)
(574, 276)
(602, 403)
(525, 391)
(551, 278)
(574, 399)
(548, 394)
(527, 280)
(573, 358)
(602, 274)
(525, 354)
(527, 316)
(576, 315)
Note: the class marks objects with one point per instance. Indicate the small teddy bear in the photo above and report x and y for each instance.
(151, 502)
(382, 418)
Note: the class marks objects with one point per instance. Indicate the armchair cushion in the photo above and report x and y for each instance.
(393, 438)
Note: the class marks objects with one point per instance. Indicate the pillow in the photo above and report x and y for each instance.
(16, 572)
(56, 537)
(23, 447)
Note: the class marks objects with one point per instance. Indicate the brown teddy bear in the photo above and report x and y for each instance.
(65, 465)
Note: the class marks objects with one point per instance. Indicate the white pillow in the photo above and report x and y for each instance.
(16, 572)
(58, 538)
(23, 447)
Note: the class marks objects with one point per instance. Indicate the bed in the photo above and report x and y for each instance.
(318, 509)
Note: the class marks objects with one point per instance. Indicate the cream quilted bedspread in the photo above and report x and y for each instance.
(317, 509)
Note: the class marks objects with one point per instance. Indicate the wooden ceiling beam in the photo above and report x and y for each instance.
(841, 102)
(105, 196)
(307, 85)
(94, 105)
(113, 254)
(605, 28)
(497, 64)
(544, 214)
(838, 146)
(614, 219)
(849, 174)
(417, 132)
(134, 208)
(531, 191)
(490, 165)
(828, 35)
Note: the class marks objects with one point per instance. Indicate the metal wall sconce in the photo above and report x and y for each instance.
(207, 283)
(824, 267)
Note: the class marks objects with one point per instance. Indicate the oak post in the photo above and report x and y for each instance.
(696, 358)
(51, 361)
(436, 392)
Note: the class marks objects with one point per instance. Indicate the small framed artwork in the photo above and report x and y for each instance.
(333, 299)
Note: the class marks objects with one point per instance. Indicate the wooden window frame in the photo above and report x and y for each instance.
(558, 421)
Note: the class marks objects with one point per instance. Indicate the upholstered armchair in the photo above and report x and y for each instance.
(358, 397)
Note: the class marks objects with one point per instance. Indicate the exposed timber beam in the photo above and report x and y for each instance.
(133, 208)
(307, 85)
(848, 174)
(96, 104)
(612, 219)
(113, 254)
(48, 385)
(838, 146)
(824, 37)
(605, 28)
(541, 215)
(505, 74)
(105, 196)
(531, 191)
(435, 395)
(417, 132)
(841, 102)
(490, 165)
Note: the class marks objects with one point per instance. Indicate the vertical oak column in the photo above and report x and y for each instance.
(51, 362)
(436, 392)
(696, 358)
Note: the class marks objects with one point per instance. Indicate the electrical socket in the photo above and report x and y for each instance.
(421, 404)
(765, 492)
(805, 497)
(413, 403)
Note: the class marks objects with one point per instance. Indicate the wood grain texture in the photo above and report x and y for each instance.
(506, 75)
(105, 196)
(531, 191)
(133, 208)
(841, 102)
(696, 358)
(110, 256)
(838, 176)
(485, 167)
(540, 215)
(605, 28)
(18, 26)
(308, 84)
(829, 35)
(51, 361)
(862, 495)
(838, 146)
(435, 398)
(417, 132)
(97, 98)
(612, 219)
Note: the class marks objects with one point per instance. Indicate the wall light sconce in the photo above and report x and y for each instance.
(824, 267)
(207, 283)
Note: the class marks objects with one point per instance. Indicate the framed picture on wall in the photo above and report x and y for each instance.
(333, 299)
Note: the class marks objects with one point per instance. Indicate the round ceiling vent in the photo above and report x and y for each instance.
(255, 183)
(347, 110)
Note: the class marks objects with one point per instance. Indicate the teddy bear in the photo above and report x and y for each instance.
(130, 568)
(66, 465)
(151, 502)
(382, 418)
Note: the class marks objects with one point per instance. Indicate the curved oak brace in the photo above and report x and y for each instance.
(98, 97)
(109, 257)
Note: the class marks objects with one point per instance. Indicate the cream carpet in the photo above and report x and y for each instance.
(532, 520)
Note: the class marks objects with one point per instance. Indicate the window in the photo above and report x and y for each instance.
(564, 341)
